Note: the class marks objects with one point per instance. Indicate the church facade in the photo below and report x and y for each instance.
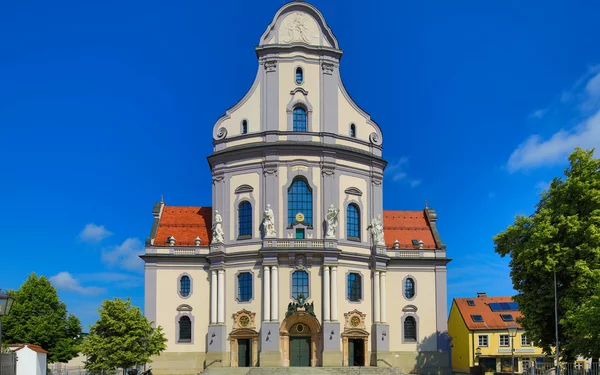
(296, 263)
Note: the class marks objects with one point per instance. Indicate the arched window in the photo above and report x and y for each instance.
(184, 286)
(299, 119)
(185, 329)
(245, 287)
(409, 288)
(300, 201)
(299, 75)
(353, 221)
(410, 329)
(353, 130)
(354, 287)
(245, 219)
(244, 127)
(299, 284)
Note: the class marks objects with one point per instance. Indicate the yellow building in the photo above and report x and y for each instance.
(484, 333)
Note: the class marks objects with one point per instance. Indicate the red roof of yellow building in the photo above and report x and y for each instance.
(492, 320)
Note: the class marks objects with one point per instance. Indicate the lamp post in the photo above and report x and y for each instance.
(6, 303)
(477, 356)
(512, 332)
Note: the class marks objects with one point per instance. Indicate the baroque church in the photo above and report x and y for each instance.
(296, 263)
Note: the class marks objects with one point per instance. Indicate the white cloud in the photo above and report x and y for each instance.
(539, 113)
(94, 233)
(126, 255)
(542, 185)
(65, 281)
(536, 151)
(397, 172)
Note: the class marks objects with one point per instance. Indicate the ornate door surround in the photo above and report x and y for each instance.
(300, 323)
(244, 327)
(354, 328)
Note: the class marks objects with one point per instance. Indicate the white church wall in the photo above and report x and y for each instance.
(424, 300)
(169, 299)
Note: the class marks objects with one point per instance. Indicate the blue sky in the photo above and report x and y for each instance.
(104, 106)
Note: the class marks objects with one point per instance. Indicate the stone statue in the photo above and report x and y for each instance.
(332, 221)
(217, 229)
(269, 222)
(377, 231)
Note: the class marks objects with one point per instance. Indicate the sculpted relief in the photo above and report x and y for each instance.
(299, 27)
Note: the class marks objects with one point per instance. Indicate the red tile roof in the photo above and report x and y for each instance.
(185, 223)
(491, 319)
(406, 226)
(35, 348)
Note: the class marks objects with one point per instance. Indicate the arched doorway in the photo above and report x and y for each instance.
(244, 340)
(355, 340)
(300, 335)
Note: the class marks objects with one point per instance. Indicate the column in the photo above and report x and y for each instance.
(274, 294)
(213, 297)
(376, 301)
(266, 294)
(334, 295)
(326, 294)
(221, 297)
(383, 299)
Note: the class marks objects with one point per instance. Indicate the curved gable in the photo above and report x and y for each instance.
(299, 22)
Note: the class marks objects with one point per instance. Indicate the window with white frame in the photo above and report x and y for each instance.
(504, 340)
(483, 340)
(524, 341)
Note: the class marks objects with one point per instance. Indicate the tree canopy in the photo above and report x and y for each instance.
(562, 236)
(121, 338)
(39, 317)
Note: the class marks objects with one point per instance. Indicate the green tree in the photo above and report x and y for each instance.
(39, 317)
(562, 236)
(121, 338)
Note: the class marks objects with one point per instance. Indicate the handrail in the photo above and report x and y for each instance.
(384, 361)
(211, 363)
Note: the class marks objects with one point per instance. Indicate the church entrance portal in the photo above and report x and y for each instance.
(244, 352)
(356, 351)
(300, 351)
(300, 335)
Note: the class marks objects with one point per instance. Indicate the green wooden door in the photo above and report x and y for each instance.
(351, 358)
(299, 351)
(244, 350)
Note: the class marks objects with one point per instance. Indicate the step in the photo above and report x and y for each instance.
(301, 371)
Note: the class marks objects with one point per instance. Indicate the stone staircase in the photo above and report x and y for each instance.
(301, 371)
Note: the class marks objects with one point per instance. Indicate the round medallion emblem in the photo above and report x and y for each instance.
(355, 321)
(300, 328)
(244, 321)
(299, 217)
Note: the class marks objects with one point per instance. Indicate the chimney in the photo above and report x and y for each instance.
(481, 294)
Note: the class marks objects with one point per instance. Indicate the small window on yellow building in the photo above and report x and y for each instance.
(477, 318)
(483, 340)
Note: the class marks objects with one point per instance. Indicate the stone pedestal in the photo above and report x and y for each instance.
(380, 343)
(216, 340)
(270, 351)
(332, 352)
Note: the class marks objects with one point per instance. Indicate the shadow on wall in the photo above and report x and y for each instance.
(431, 361)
